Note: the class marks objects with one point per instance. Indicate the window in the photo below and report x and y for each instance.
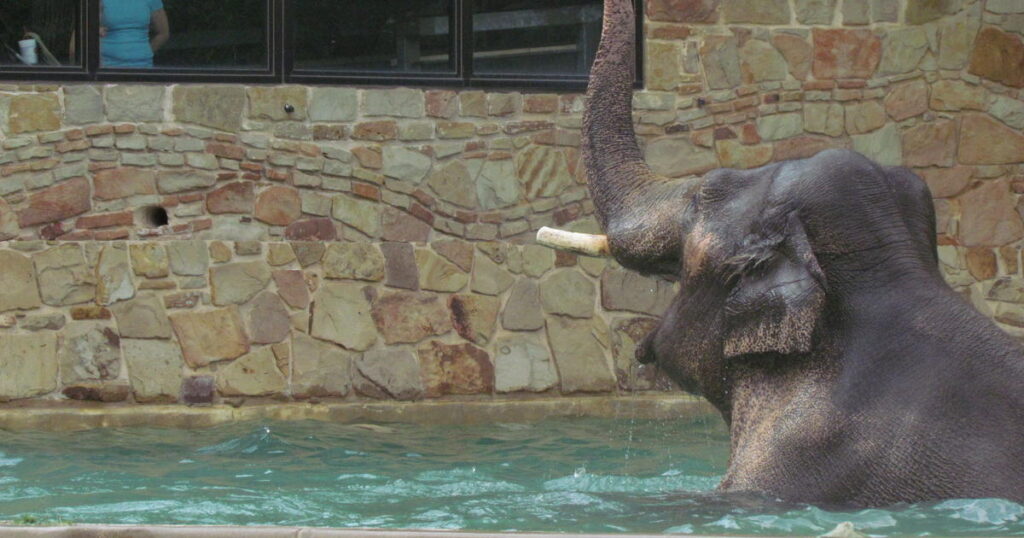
(40, 34)
(518, 43)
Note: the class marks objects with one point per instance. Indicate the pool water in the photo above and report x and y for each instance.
(581, 475)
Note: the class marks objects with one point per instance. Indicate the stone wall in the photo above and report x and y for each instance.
(420, 177)
(211, 321)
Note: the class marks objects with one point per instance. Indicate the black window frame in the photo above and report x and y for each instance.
(280, 68)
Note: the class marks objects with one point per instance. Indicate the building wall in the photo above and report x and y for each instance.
(412, 210)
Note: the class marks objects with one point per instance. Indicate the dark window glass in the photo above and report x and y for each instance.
(221, 34)
(535, 36)
(39, 32)
(409, 36)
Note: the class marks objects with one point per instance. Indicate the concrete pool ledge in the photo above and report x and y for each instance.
(62, 416)
(146, 531)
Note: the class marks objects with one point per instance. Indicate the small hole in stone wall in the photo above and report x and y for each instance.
(152, 216)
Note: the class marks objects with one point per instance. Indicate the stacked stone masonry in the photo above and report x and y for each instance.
(211, 321)
(399, 200)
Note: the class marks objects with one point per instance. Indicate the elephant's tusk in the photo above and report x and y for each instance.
(580, 243)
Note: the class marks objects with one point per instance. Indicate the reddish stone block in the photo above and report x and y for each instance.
(237, 197)
(845, 53)
(75, 134)
(998, 56)
(173, 131)
(564, 259)
(330, 132)
(465, 216)
(852, 84)
(226, 138)
(318, 229)
(199, 225)
(106, 220)
(111, 235)
(422, 213)
(197, 390)
(90, 312)
(423, 198)
(123, 182)
(749, 135)
(376, 130)
(440, 103)
(397, 225)
(291, 286)
(800, 147)
(124, 128)
(724, 133)
(369, 157)
(190, 197)
(53, 231)
(97, 130)
(249, 176)
(279, 175)
(455, 369)
(56, 203)
(12, 169)
(366, 191)
(225, 176)
(279, 206)
(540, 103)
(96, 166)
(251, 167)
(669, 32)
(227, 151)
(682, 10)
(567, 214)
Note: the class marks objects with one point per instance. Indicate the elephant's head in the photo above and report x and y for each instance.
(766, 257)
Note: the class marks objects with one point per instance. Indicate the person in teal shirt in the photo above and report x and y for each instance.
(131, 31)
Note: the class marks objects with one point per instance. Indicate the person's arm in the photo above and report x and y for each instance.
(161, 29)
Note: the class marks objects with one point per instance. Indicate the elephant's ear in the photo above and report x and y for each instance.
(778, 292)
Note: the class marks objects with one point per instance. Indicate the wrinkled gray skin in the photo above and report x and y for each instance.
(812, 314)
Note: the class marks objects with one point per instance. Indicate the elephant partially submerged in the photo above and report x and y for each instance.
(812, 314)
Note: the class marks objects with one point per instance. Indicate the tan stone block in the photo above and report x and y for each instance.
(984, 140)
(438, 274)
(29, 365)
(998, 56)
(989, 217)
(756, 11)
(864, 117)
(342, 314)
(580, 351)
(824, 118)
(798, 54)
(353, 261)
(154, 369)
(18, 287)
(254, 374)
(236, 283)
(33, 112)
(268, 103)
(930, 144)
(907, 100)
(149, 260)
(210, 336)
(64, 276)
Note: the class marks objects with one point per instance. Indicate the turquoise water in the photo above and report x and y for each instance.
(584, 475)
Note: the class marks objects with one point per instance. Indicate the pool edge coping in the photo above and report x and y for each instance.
(227, 531)
(45, 416)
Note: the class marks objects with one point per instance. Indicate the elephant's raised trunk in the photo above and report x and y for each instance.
(639, 211)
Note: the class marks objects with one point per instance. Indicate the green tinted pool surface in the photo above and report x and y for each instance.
(580, 475)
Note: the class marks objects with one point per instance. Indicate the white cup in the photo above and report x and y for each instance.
(28, 51)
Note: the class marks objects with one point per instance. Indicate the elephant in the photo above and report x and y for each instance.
(811, 314)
